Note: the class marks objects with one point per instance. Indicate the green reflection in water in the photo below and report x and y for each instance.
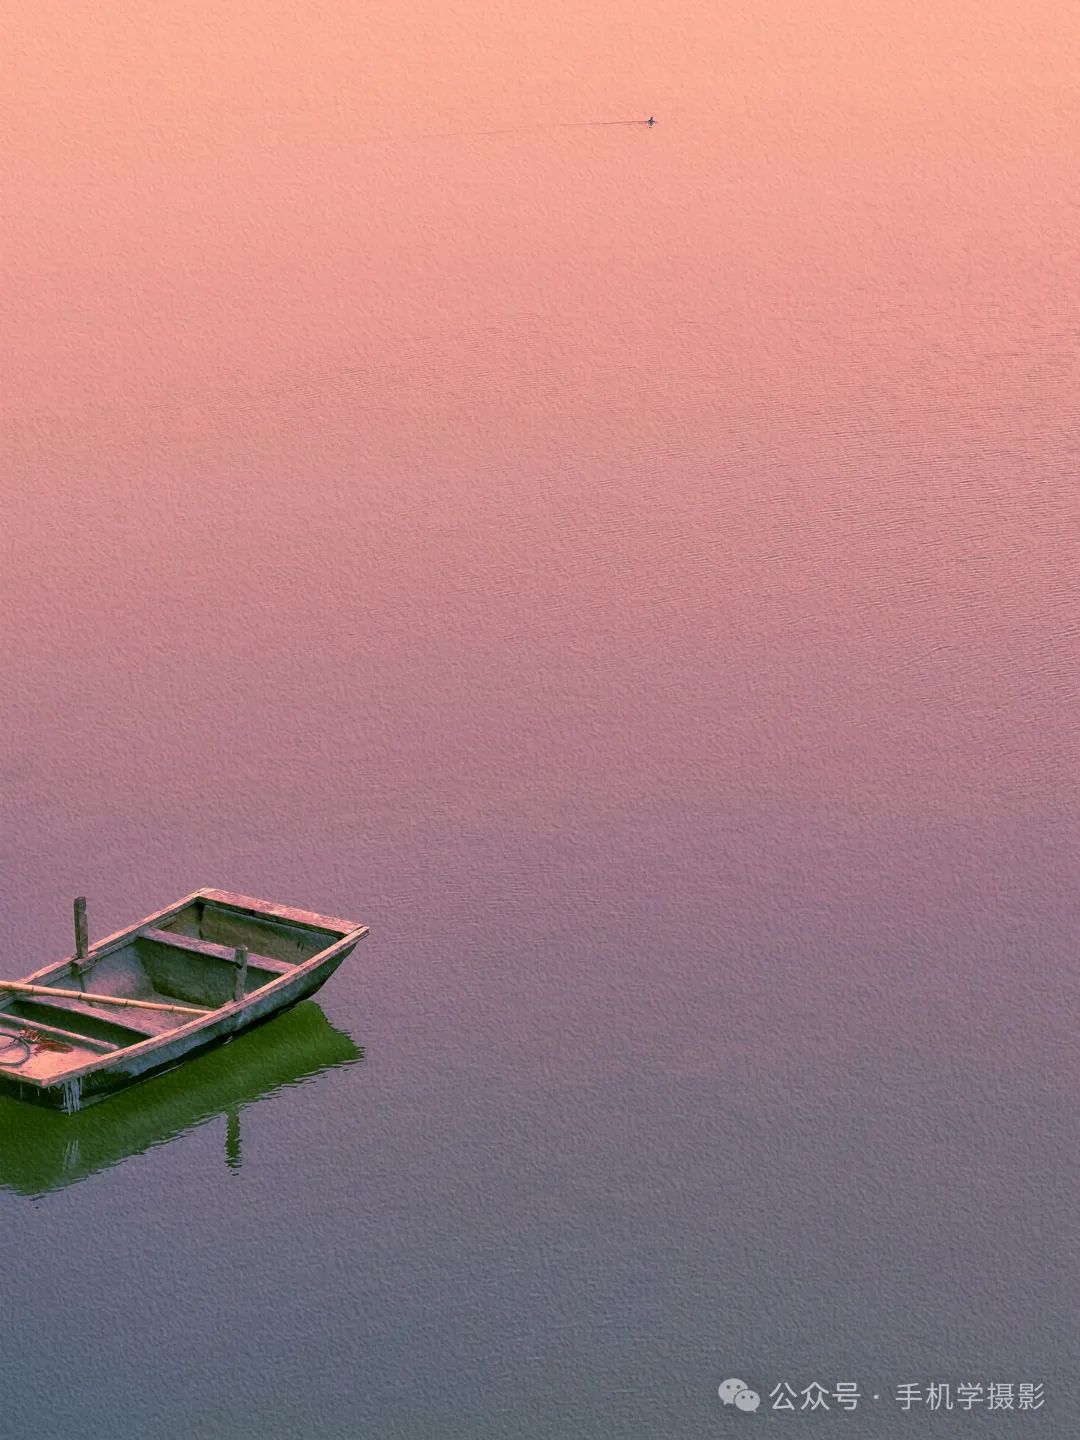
(43, 1150)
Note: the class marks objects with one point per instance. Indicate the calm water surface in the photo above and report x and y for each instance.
(636, 573)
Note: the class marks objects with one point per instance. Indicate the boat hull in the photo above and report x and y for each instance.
(120, 1075)
(321, 945)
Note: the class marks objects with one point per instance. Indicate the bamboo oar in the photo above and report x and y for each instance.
(19, 988)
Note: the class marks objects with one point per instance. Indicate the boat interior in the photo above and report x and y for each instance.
(185, 960)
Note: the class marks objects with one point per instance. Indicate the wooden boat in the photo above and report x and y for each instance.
(142, 1000)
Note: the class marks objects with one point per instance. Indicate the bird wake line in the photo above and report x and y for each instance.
(523, 130)
(566, 125)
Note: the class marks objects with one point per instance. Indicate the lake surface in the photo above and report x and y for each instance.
(635, 572)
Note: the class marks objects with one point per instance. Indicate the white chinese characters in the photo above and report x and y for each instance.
(910, 1395)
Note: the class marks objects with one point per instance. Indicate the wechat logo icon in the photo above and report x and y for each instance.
(739, 1394)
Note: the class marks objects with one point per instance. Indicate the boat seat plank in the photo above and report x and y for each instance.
(85, 1021)
(57, 1007)
(216, 952)
(13, 1025)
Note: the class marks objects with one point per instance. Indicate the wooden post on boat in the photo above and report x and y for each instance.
(81, 942)
(240, 978)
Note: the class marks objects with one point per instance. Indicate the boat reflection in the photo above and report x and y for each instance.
(43, 1150)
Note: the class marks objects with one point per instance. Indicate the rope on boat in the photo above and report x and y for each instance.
(71, 1097)
(11, 1041)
